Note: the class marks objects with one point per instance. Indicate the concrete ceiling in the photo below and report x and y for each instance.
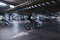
(40, 1)
(16, 2)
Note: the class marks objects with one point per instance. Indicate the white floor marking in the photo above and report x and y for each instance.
(21, 34)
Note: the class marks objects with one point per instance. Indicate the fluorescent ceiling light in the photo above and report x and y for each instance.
(27, 8)
(32, 6)
(43, 4)
(24, 8)
(35, 5)
(38, 4)
(53, 1)
(47, 2)
(12, 6)
(2, 4)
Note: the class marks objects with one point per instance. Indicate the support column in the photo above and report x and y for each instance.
(6, 16)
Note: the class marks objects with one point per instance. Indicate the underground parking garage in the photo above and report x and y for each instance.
(29, 19)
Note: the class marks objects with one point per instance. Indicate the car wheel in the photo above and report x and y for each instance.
(28, 26)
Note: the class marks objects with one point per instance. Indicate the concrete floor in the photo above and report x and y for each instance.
(16, 31)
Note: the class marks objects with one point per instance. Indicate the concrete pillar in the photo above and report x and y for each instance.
(6, 16)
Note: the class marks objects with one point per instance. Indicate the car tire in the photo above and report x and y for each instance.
(28, 26)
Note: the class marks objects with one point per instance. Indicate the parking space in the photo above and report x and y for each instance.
(18, 32)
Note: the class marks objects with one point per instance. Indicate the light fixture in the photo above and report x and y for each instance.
(32, 6)
(47, 2)
(27, 8)
(24, 8)
(2, 4)
(38, 4)
(43, 3)
(53, 2)
(35, 5)
(12, 6)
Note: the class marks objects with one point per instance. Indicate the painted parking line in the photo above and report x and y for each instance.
(21, 34)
